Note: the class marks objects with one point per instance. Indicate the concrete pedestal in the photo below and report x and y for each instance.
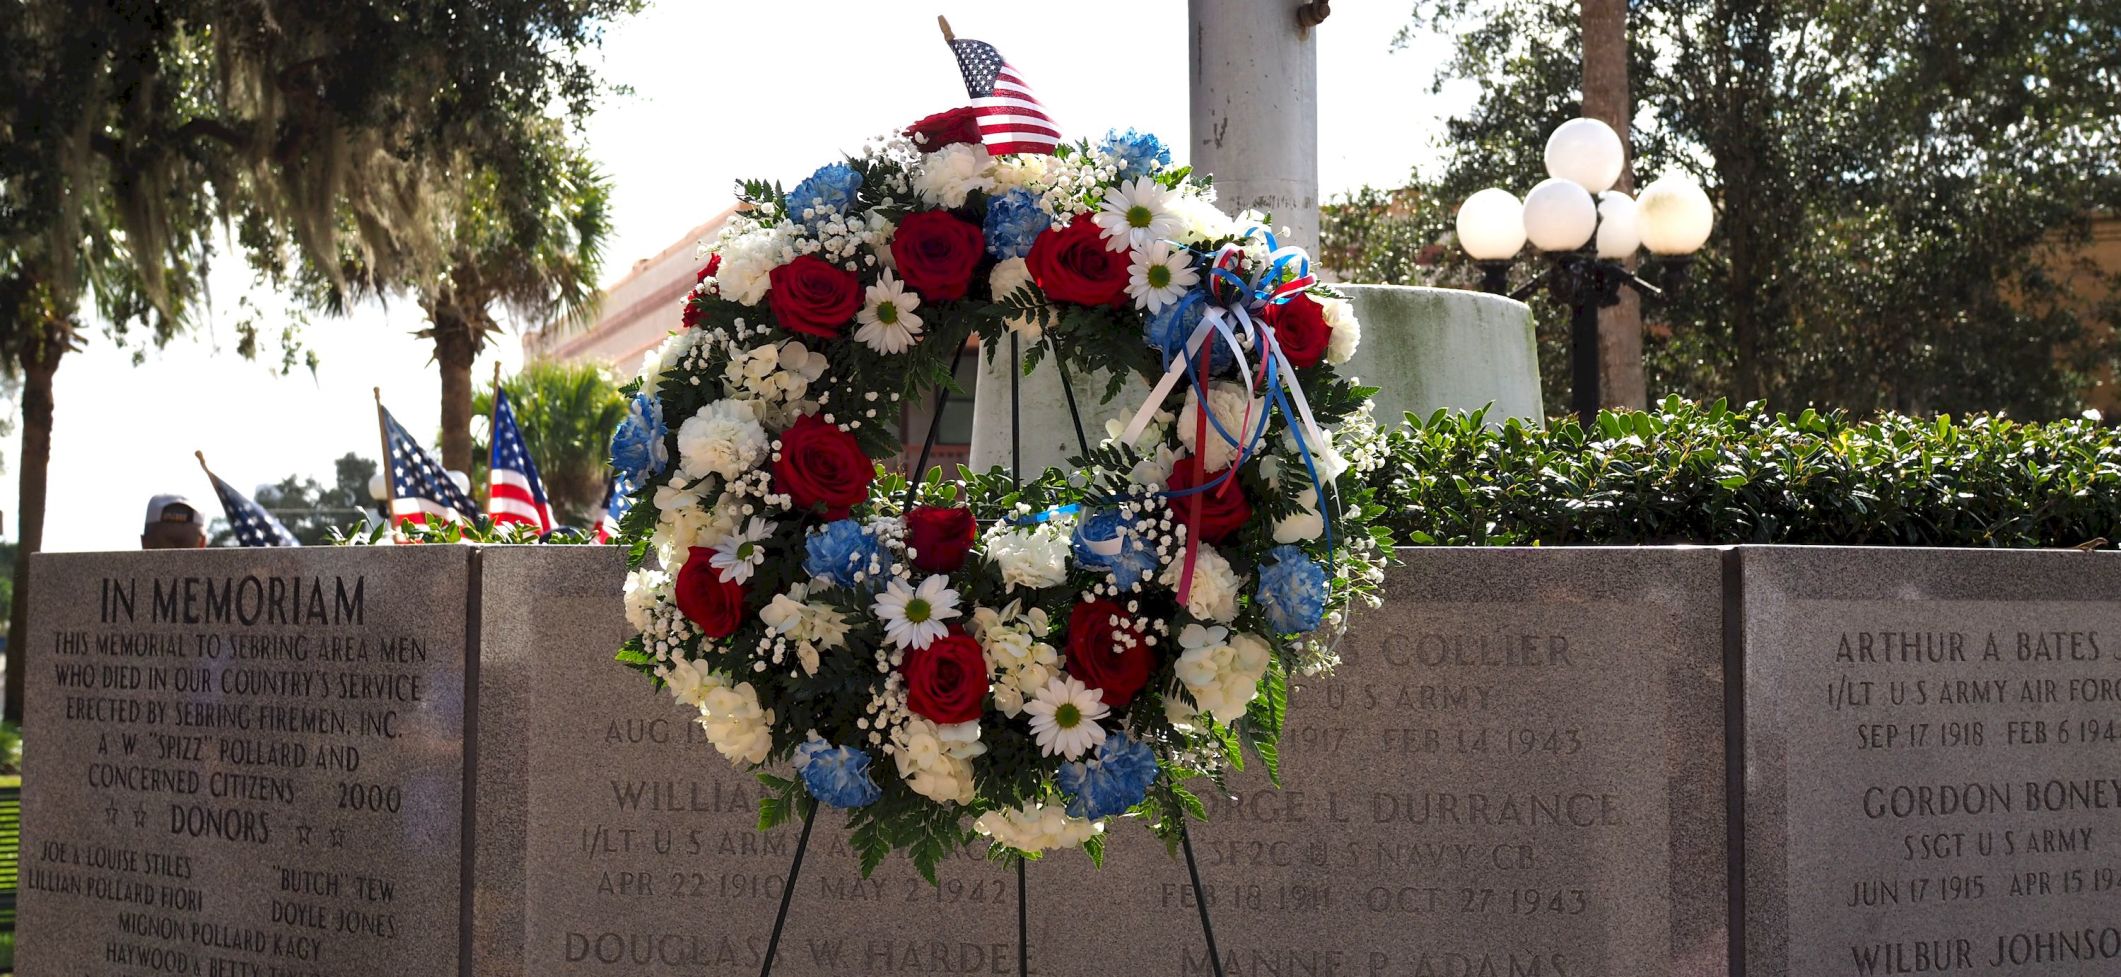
(1424, 347)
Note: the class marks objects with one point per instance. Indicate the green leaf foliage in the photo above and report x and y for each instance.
(1709, 474)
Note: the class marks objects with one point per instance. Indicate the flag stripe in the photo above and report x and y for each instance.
(1011, 120)
(514, 492)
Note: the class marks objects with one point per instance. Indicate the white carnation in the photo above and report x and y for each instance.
(723, 439)
(750, 251)
(1347, 333)
(1033, 556)
(946, 176)
(1215, 585)
(1199, 220)
(1238, 415)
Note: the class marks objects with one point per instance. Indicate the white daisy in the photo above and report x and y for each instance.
(888, 322)
(740, 551)
(1136, 214)
(913, 618)
(1064, 717)
(1159, 276)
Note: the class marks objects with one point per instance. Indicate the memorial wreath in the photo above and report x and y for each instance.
(1023, 658)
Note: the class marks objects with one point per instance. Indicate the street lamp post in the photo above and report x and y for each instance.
(1586, 230)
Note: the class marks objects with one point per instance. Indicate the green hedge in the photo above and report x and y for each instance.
(1688, 473)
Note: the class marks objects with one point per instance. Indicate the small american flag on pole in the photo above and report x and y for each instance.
(1010, 119)
(419, 486)
(514, 492)
(618, 498)
(250, 522)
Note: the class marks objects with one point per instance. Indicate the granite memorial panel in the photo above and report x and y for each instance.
(247, 763)
(614, 840)
(1933, 762)
(1517, 771)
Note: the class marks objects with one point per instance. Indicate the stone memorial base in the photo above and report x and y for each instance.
(424, 761)
(1425, 348)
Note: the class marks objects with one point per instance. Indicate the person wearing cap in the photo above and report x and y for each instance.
(173, 523)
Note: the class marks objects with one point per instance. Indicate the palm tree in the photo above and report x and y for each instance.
(567, 412)
(527, 239)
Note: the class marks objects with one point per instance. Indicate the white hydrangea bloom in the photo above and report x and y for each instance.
(1304, 525)
(688, 683)
(1233, 410)
(683, 523)
(1030, 556)
(658, 364)
(735, 722)
(1037, 827)
(1199, 220)
(645, 588)
(1002, 282)
(1221, 671)
(814, 627)
(724, 439)
(1346, 332)
(926, 765)
(1027, 170)
(946, 176)
(1019, 659)
(1215, 585)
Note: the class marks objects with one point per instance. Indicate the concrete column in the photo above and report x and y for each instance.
(1255, 109)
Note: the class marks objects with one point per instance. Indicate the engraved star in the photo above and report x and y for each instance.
(139, 817)
(338, 837)
(302, 834)
(110, 814)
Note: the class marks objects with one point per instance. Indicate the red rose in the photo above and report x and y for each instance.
(1109, 657)
(1223, 508)
(936, 252)
(712, 268)
(694, 309)
(811, 295)
(1301, 330)
(708, 600)
(945, 129)
(1071, 264)
(940, 537)
(947, 681)
(822, 465)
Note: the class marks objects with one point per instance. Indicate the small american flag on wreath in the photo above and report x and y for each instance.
(514, 492)
(1011, 120)
(420, 488)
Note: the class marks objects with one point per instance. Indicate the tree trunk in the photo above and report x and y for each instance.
(39, 363)
(455, 349)
(1604, 29)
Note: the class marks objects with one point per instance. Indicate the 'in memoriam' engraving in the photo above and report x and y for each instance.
(244, 775)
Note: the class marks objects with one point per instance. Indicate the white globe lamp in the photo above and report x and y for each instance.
(460, 480)
(1559, 215)
(1618, 231)
(1491, 225)
(1587, 152)
(377, 490)
(1675, 215)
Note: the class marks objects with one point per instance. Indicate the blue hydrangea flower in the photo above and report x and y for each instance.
(638, 448)
(1292, 589)
(1116, 780)
(838, 550)
(1138, 152)
(1013, 222)
(838, 776)
(1134, 562)
(833, 185)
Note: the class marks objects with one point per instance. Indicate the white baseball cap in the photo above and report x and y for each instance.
(158, 510)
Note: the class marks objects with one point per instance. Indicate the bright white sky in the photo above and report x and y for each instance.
(714, 100)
